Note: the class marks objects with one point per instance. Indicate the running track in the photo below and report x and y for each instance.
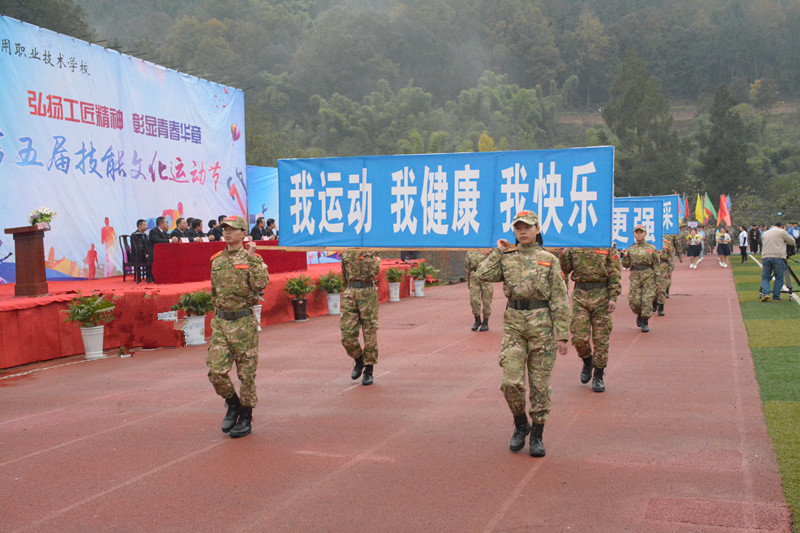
(676, 444)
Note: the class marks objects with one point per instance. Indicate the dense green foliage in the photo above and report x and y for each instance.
(351, 77)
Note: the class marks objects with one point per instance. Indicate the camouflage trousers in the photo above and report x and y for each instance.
(234, 341)
(480, 295)
(591, 318)
(529, 344)
(359, 308)
(642, 292)
(666, 281)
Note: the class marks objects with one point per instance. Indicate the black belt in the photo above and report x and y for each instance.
(642, 267)
(527, 305)
(359, 284)
(233, 315)
(590, 286)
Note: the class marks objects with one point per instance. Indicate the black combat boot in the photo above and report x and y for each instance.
(477, 323)
(521, 430)
(485, 324)
(244, 426)
(597, 382)
(638, 321)
(655, 306)
(645, 325)
(367, 375)
(234, 408)
(660, 309)
(667, 293)
(537, 447)
(358, 368)
(586, 371)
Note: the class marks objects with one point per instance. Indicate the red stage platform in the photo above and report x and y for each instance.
(33, 329)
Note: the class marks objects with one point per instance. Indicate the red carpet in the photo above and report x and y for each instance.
(33, 329)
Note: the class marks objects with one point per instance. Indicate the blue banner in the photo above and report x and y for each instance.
(671, 213)
(262, 193)
(464, 200)
(105, 139)
(629, 212)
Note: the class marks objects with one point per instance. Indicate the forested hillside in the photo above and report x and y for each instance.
(342, 77)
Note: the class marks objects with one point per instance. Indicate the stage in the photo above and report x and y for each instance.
(34, 329)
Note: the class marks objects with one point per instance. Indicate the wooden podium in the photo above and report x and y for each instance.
(29, 256)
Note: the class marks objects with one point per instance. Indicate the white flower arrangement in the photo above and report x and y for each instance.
(41, 214)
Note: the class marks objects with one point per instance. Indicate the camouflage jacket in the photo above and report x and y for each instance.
(360, 266)
(531, 273)
(665, 255)
(675, 240)
(472, 262)
(237, 279)
(593, 265)
(639, 255)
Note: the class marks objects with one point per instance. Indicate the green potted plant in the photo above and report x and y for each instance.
(331, 283)
(420, 272)
(394, 276)
(298, 287)
(196, 305)
(91, 313)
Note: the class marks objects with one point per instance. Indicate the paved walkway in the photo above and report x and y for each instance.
(676, 444)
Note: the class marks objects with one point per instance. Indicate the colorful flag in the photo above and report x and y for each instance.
(709, 209)
(686, 207)
(681, 213)
(724, 215)
(728, 205)
(698, 210)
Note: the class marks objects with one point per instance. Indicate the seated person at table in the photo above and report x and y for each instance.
(271, 232)
(196, 230)
(216, 231)
(159, 233)
(257, 233)
(211, 225)
(181, 230)
(141, 227)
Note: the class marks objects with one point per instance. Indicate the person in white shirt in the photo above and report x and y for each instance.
(743, 243)
(723, 246)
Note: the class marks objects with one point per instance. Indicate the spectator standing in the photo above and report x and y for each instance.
(743, 243)
(753, 236)
(773, 258)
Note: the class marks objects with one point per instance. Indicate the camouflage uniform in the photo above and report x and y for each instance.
(480, 292)
(532, 274)
(642, 259)
(590, 314)
(359, 306)
(236, 281)
(665, 268)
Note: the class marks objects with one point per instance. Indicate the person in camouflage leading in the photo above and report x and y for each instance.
(596, 273)
(642, 259)
(480, 292)
(666, 264)
(535, 325)
(237, 279)
(359, 310)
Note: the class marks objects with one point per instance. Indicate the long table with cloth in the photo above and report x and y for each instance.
(185, 262)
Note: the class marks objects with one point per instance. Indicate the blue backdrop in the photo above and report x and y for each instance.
(671, 222)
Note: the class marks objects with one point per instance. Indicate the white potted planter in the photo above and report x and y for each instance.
(93, 342)
(195, 304)
(257, 315)
(195, 330)
(394, 292)
(334, 303)
(91, 313)
(419, 288)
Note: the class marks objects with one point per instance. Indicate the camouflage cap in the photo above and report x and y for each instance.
(234, 221)
(528, 217)
(639, 227)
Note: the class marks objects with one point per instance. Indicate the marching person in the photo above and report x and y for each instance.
(237, 279)
(359, 311)
(535, 325)
(723, 246)
(694, 246)
(480, 292)
(642, 259)
(666, 264)
(596, 273)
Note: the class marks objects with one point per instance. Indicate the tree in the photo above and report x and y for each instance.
(723, 148)
(651, 156)
(62, 16)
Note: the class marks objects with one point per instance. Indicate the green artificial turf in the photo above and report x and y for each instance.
(773, 329)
